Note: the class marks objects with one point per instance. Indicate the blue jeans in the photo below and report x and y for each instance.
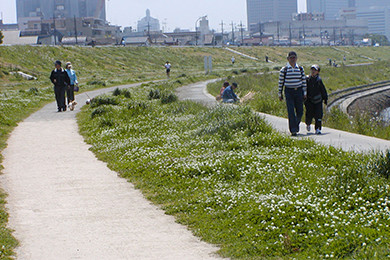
(294, 101)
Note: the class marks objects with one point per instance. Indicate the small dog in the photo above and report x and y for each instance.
(72, 105)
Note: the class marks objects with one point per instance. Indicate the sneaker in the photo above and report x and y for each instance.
(318, 131)
(308, 128)
(294, 134)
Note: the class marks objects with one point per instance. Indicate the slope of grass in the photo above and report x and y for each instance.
(266, 98)
(237, 183)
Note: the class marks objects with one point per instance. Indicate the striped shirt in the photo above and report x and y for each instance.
(290, 77)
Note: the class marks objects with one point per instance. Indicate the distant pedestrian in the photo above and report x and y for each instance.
(330, 62)
(266, 58)
(228, 95)
(344, 58)
(71, 88)
(233, 60)
(292, 78)
(168, 68)
(59, 77)
(224, 86)
(316, 94)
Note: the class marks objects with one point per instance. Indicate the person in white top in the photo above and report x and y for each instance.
(233, 60)
(168, 68)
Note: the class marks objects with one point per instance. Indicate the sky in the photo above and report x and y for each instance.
(175, 13)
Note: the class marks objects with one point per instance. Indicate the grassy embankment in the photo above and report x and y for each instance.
(96, 68)
(237, 183)
(266, 99)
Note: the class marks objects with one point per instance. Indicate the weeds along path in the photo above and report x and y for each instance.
(65, 204)
(337, 138)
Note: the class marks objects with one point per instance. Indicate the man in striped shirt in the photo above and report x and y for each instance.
(292, 78)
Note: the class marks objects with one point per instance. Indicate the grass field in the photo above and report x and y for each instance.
(235, 182)
(266, 98)
(108, 66)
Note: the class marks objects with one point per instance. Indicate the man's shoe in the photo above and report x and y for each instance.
(64, 108)
(294, 134)
(59, 110)
(318, 131)
(308, 128)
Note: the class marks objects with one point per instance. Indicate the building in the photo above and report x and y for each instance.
(260, 11)
(27, 10)
(378, 19)
(309, 17)
(330, 8)
(8, 27)
(362, 5)
(148, 23)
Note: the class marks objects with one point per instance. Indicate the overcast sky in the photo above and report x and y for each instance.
(176, 13)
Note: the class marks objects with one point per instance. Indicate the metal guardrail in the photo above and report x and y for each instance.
(357, 89)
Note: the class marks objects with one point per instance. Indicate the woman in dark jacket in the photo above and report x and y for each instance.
(316, 94)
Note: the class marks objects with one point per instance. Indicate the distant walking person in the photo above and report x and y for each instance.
(168, 68)
(266, 59)
(292, 78)
(70, 89)
(59, 77)
(316, 94)
(228, 95)
(233, 60)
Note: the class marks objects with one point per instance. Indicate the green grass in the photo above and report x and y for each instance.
(236, 183)
(266, 98)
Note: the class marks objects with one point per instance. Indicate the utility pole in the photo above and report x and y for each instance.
(55, 29)
(321, 35)
(341, 36)
(242, 33)
(334, 35)
(260, 33)
(232, 33)
(290, 34)
(222, 24)
(278, 31)
(75, 30)
(304, 36)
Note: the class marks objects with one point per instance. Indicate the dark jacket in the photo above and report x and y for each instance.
(228, 93)
(316, 89)
(61, 77)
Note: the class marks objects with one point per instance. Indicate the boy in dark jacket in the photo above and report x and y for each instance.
(59, 77)
(316, 94)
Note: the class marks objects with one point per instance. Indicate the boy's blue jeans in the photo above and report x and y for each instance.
(294, 101)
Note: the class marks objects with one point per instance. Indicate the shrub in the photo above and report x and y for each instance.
(168, 98)
(104, 101)
(122, 92)
(99, 111)
(154, 94)
(382, 165)
(96, 82)
(33, 91)
(117, 92)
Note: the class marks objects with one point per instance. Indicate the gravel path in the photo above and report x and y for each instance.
(341, 139)
(65, 204)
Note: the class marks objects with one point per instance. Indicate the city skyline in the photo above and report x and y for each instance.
(124, 13)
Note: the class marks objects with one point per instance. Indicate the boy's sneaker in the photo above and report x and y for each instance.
(308, 128)
(318, 131)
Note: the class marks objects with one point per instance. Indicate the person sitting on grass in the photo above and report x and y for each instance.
(224, 86)
(228, 95)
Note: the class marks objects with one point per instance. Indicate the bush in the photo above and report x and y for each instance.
(96, 82)
(33, 91)
(122, 92)
(154, 94)
(99, 101)
(99, 111)
(382, 165)
(168, 98)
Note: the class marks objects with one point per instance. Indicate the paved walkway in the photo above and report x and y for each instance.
(340, 139)
(65, 204)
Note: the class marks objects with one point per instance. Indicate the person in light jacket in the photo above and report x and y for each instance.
(70, 89)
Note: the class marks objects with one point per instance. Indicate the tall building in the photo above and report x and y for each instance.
(364, 4)
(378, 19)
(330, 8)
(47, 9)
(148, 23)
(260, 11)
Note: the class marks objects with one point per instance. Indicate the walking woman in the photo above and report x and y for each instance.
(316, 94)
(61, 80)
(70, 89)
(168, 68)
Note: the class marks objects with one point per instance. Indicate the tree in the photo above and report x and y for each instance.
(378, 38)
(1, 37)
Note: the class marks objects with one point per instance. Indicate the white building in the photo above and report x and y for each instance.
(148, 23)
(330, 8)
(363, 5)
(269, 11)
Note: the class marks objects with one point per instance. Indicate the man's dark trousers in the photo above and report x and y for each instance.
(294, 101)
(314, 111)
(60, 97)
